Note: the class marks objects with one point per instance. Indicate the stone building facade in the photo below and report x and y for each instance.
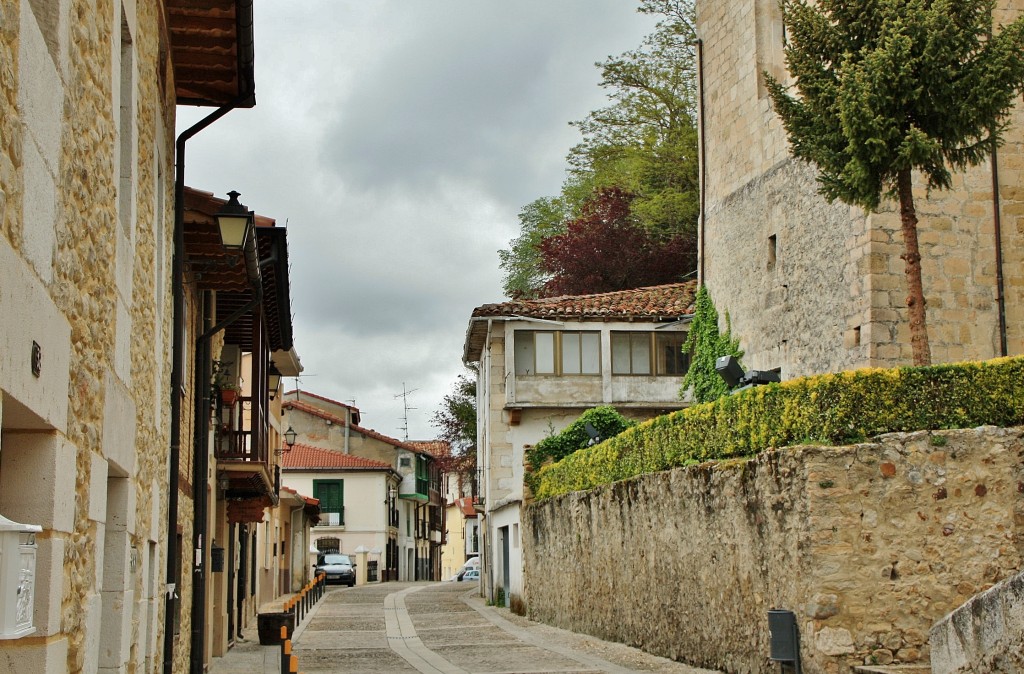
(85, 210)
(88, 90)
(815, 287)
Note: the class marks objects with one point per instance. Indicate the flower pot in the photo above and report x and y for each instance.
(228, 396)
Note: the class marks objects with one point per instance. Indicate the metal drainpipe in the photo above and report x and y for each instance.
(201, 465)
(177, 351)
(702, 156)
(997, 230)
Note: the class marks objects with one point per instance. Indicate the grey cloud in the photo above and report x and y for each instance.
(399, 139)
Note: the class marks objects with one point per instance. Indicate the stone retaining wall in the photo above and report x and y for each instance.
(984, 635)
(868, 544)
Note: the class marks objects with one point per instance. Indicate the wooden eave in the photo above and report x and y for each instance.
(212, 52)
(211, 267)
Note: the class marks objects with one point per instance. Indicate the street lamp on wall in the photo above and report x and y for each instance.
(289, 439)
(235, 222)
(273, 381)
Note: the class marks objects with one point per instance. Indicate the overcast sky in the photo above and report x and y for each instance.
(398, 139)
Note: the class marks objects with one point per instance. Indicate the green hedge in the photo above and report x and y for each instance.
(605, 420)
(831, 409)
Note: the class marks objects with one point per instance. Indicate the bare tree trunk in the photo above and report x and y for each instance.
(912, 258)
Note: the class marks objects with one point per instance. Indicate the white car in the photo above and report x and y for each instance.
(472, 573)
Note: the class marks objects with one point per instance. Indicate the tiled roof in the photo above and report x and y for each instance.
(466, 506)
(335, 419)
(307, 457)
(298, 393)
(436, 448)
(653, 303)
(309, 500)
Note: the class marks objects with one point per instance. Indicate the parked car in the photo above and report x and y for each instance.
(471, 563)
(472, 574)
(338, 567)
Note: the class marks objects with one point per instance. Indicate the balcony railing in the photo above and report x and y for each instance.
(236, 438)
(332, 519)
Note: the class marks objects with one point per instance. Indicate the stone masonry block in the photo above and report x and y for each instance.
(37, 480)
(39, 213)
(97, 487)
(41, 92)
(38, 658)
(115, 630)
(92, 616)
(29, 316)
(119, 427)
(49, 585)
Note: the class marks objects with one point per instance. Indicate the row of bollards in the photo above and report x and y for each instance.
(300, 605)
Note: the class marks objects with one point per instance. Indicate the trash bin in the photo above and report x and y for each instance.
(269, 626)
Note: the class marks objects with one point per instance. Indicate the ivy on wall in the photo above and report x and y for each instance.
(707, 344)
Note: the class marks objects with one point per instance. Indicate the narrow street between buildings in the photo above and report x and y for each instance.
(434, 628)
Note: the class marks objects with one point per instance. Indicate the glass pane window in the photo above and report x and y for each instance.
(620, 353)
(578, 352)
(545, 352)
(631, 353)
(646, 353)
(590, 345)
(571, 353)
(670, 356)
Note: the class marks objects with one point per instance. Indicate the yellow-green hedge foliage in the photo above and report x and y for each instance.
(832, 409)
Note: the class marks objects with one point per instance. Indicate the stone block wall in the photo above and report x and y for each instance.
(86, 160)
(868, 544)
(984, 635)
(814, 287)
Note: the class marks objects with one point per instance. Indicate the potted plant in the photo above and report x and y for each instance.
(228, 393)
(224, 382)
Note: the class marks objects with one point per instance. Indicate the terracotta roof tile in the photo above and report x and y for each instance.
(305, 456)
(436, 448)
(335, 419)
(654, 302)
(466, 506)
(297, 392)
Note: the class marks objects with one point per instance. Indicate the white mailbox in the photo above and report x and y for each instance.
(17, 577)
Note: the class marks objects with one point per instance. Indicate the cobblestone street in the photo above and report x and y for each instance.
(434, 628)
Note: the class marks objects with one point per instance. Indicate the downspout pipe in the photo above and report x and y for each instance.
(201, 464)
(177, 375)
(702, 159)
(997, 227)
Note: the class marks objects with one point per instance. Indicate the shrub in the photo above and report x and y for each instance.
(605, 420)
(831, 409)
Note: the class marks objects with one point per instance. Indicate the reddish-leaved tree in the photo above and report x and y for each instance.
(603, 250)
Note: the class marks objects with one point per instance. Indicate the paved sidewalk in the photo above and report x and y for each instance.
(434, 628)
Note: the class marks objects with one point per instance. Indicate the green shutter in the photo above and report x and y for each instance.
(331, 494)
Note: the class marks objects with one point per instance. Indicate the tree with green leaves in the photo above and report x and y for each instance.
(883, 88)
(539, 220)
(643, 143)
(456, 419)
(705, 344)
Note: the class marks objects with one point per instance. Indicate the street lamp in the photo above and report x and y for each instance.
(289, 439)
(234, 221)
(273, 381)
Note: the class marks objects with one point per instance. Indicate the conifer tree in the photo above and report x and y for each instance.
(706, 344)
(886, 87)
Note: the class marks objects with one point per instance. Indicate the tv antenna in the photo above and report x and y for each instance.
(404, 395)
